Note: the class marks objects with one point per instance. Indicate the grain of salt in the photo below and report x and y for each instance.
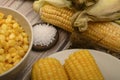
(43, 34)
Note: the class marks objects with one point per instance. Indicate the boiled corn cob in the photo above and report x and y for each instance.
(60, 17)
(81, 66)
(48, 69)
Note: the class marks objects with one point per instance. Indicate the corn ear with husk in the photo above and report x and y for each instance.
(105, 34)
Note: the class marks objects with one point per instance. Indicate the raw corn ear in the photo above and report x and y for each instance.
(60, 17)
(81, 66)
(48, 69)
(105, 34)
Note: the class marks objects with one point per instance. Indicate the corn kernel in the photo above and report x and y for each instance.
(24, 34)
(2, 21)
(17, 57)
(21, 52)
(2, 31)
(18, 47)
(2, 68)
(12, 36)
(12, 50)
(2, 58)
(15, 25)
(1, 15)
(2, 37)
(8, 66)
(4, 26)
(11, 43)
(9, 25)
(9, 18)
(25, 47)
(20, 38)
(25, 40)
(8, 56)
(1, 51)
(9, 60)
(14, 54)
(13, 21)
(3, 43)
(1, 65)
(6, 34)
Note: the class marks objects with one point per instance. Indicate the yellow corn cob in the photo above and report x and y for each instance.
(81, 66)
(48, 69)
(57, 16)
(105, 34)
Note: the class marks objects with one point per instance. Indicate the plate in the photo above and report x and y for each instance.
(109, 65)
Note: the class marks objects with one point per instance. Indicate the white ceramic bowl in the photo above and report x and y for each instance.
(21, 19)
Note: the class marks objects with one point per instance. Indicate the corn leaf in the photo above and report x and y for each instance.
(57, 3)
(103, 10)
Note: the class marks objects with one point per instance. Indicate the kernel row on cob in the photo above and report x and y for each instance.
(60, 17)
(80, 65)
(48, 69)
(105, 34)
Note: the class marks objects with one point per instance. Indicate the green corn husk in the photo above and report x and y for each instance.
(102, 10)
(117, 21)
(58, 3)
(81, 4)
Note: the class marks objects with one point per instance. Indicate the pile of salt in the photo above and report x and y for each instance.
(43, 34)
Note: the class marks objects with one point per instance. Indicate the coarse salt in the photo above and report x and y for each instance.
(43, 34)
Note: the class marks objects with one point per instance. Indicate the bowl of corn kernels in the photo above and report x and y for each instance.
(15, 42)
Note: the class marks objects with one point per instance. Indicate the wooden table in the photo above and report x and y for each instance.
(25, 7)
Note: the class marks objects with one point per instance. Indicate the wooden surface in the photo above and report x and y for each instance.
(25, 7)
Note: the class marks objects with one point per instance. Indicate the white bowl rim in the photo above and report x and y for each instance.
(30, 45)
